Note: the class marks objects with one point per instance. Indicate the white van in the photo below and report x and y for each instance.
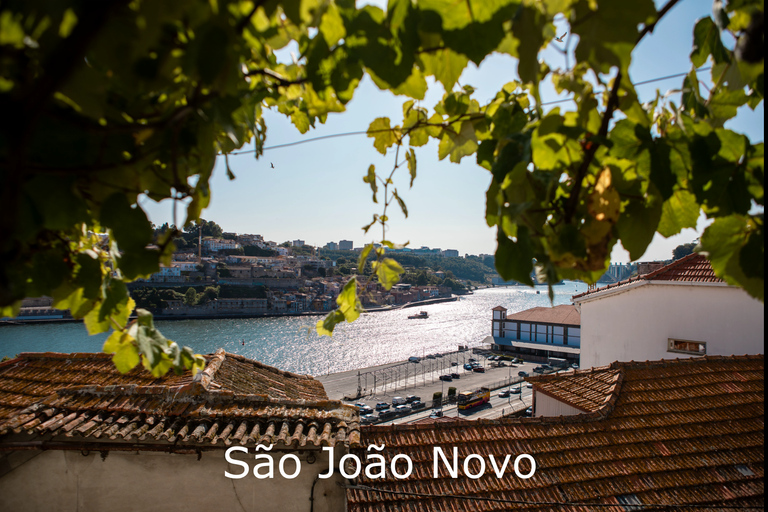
(398, 400)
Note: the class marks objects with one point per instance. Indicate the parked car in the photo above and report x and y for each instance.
(575, 366)
(516, 390)
(529, 385)
(438, 413)
(478, 369)
(492, 358)
(418, 404)
(538, 369)
(456, 375)
(430, 356)
(398, 400)
(365, 410)
(387, 415)
(529, 411)
(414, 359)
(454, 363)
(523, 374)
(446, 378)
(468, 367)
(504, 394)
(382, 406)
(360, 405)
(402, 410)
(501, 363)
(412, 398)
(472, 360)
(367, 419)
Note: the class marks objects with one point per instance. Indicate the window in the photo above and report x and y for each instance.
(525, 332)
(698, 348)
(557, 334)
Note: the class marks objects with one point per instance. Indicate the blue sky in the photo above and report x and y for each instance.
(315, 191)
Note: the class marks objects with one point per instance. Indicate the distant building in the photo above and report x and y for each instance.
(679, 310)
(297, 243)
(219, 244)
(540, 332)
(451, 253)
(346, 245)
(332, 246)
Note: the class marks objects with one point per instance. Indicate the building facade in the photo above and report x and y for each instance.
(677, 311)
(539, 333)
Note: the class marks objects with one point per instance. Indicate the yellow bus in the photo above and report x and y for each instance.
(470, 399)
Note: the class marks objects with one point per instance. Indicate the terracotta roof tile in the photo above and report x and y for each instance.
(677, 432)
(563, 314)
(691, 268)
(233, 400)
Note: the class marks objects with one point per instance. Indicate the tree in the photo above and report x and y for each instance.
(683, 250)
(190, 298)
(105, 103)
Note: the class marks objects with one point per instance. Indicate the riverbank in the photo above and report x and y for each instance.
(231, 316)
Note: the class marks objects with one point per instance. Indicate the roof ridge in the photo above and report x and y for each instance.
(206, 377)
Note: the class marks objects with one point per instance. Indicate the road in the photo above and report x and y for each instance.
(495, 409)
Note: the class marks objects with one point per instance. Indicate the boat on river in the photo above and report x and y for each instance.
(421, 314)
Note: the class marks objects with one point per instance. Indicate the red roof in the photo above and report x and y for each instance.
(564, 314)
(692, 268)
(82, 397)
(667, 433)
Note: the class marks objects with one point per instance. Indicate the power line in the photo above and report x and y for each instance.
(348, 134)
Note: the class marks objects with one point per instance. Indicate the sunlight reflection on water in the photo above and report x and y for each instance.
(290, 343)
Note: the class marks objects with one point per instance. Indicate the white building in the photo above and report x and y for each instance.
(677, 311)
(219, 244)
(540, 332)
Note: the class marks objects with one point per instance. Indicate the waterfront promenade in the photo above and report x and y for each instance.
(422, 380)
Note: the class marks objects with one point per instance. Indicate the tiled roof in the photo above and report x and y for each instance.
(672, 433)
(692, 268)
(588, 390)
(499, 308)
(565, 314)
(234, 400)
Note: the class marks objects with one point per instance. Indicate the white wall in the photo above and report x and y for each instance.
(68, 481)
(547, 406)
(637, 323)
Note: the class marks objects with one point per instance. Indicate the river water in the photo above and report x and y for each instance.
(290, 343)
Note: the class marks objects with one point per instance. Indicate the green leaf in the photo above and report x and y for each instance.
(383, 136)
(363, 258)
(723, 243)
(400, 202)
(410, 157)
(680, 211)
(370, 178)
(528, 27)
(126, 353)
(129, 226)
(349, 304)
(332, 25)
(637, 224)
(445, 65)
(389, 271)
(706, 42)
(458, 145)
(608, 31)
(325, 326)
(514, 258)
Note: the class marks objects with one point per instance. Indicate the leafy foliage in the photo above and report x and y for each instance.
(109, 102)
